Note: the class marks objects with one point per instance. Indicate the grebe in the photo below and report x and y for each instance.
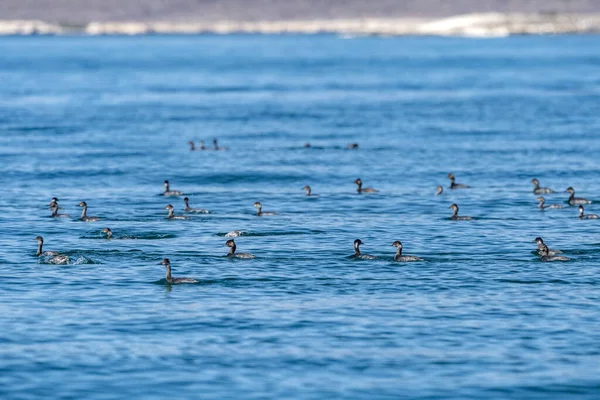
(260, 212)
(169, 192)
(170, 279)
(357, 253)
(540, 190)
(400, 257)
(576, 200)
(540, 244)
(231, 244)
(187, 207)
(439, 190)
(454, 185)
(586, 216)
(54, 207)
(171, 214)
(108, 233)
(455, 216)
(217, 147)
(306, 145)
(192, 145)
(84, 216)
(56, 257)
(308, 191)
(53, 202)
(542, 200)
(202, 146)
(352, 146)
(361, 190)
(545, 255)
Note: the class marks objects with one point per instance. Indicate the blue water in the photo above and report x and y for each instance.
(107, 120)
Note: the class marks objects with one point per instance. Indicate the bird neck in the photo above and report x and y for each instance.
(84, 211)
(171, 213)
(232, 249)
(39, 249)
(356, 249)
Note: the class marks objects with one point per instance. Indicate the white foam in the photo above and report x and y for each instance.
(479, 25)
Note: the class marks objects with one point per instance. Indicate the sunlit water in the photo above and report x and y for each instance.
(106, 120)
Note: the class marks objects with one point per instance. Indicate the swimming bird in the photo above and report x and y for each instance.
(217, 147)
(260, 212)
(54, 207)
(187, 208)
(540, 190)
(586, 216)
(84, 216)
(400, 257)
(540, 244)
(56, 258)
(308, 191)
(231, 244)
(455, 216)
(439, 190)
(171, 213)
(545, 255)
(53, 202)
(352, 146)
(542, 200)
(358, 254)
(454, 185)
(306, 145)
(172, 280)
(192, 145)
(169, 192)
(202, 146)
(361, 190)
(108, 232)
(576, 200)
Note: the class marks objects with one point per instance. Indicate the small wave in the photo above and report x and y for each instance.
(141, 236)
(72, 260)
(535, 282)
(233, 234)
(163, 282)
(271, 233)
(83, 260)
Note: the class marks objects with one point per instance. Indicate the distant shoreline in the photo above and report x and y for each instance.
(472, 25)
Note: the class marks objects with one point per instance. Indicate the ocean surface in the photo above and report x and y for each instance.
(107, 119)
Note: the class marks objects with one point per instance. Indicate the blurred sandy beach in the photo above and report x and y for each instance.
(376, 17)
